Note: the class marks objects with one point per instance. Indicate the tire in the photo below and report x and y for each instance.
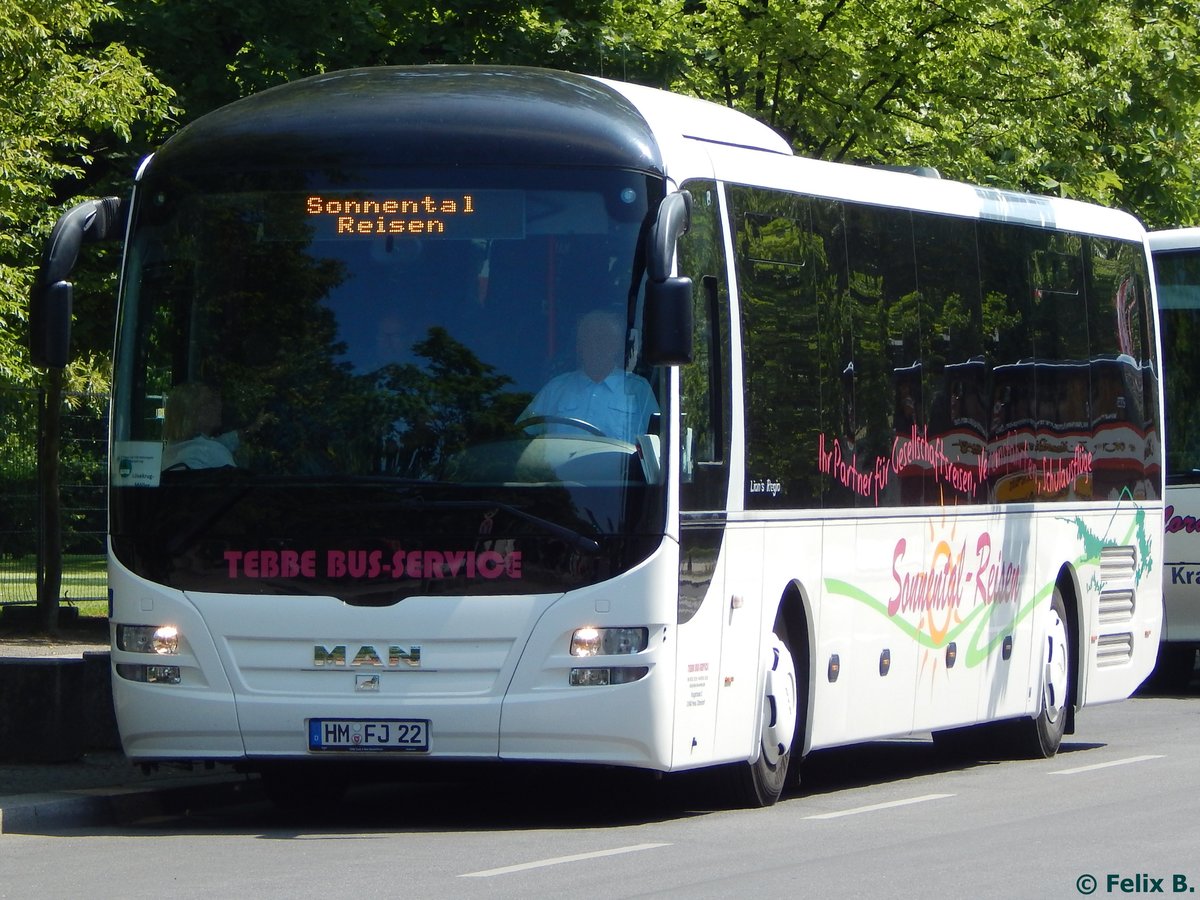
(1041, 736)
(761, 782)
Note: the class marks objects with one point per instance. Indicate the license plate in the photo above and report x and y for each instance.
(368, 734)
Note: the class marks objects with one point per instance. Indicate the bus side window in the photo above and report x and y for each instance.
(705, 400)
(704, 424)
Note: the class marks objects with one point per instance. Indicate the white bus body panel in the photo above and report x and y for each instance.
(674, 116)
(1181, 564)
(545, 718)
(904, 191)
(498, 687)
(895, 676)
(492, 678)
(698, 670)
(192, 720)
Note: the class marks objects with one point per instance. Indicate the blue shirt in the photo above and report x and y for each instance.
(620, 405)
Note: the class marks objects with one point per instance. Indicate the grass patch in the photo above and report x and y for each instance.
(89, 609)
(84, 582)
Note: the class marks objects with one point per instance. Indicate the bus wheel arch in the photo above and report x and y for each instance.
(1067, 588)
(795, 615)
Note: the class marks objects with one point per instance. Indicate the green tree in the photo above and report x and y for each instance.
(1097, 101)
(65, 100)
(214, 51)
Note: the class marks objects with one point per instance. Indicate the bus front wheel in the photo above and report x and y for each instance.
(761, 782)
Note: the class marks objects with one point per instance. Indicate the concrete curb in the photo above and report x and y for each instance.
(98, 807)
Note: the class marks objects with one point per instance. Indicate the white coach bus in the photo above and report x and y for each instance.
(874, 453)
(1177, 278)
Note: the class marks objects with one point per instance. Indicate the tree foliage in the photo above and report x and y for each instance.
(215, 51)
(65, 102)
(1096, 101)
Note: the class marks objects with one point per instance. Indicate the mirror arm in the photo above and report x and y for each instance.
(51, 296)
(674, 220)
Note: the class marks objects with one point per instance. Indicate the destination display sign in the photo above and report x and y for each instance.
(461, 214)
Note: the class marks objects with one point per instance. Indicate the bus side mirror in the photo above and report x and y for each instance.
(668, 322)
(50, 324)
(668, 312)
(50, 300)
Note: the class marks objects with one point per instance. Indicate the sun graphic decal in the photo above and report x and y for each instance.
(966, 585)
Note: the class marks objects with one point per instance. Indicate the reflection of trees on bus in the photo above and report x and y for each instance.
(1121, 438)
(371, 356)
(253, 326)
(962, 404)
(789, 311)
(455, 401)
(905, 354)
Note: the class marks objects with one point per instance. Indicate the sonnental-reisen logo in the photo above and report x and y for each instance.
(1140, 883)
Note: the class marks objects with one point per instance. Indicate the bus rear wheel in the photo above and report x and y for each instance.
(1037, 737)
(760, 782)
(1041, 736)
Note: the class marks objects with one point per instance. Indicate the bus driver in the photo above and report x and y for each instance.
(599, 392)
(193, 415)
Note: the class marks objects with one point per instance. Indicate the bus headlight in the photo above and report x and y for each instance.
(160, 639)
(608, 641)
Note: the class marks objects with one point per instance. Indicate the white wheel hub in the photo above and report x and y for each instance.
(1054, 681)
(779, 702)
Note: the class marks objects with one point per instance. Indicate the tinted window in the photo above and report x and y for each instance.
(903, 358)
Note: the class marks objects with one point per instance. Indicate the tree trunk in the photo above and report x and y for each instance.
(50, 585)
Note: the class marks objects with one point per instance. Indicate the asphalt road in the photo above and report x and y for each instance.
(1116, 812)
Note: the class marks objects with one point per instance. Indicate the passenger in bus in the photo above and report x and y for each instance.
(599, 393)
(192, 417)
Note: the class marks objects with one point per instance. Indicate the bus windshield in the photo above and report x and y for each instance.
(393, 363)
(1178, 281)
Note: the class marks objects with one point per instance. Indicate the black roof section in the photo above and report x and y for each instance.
(420, 115)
